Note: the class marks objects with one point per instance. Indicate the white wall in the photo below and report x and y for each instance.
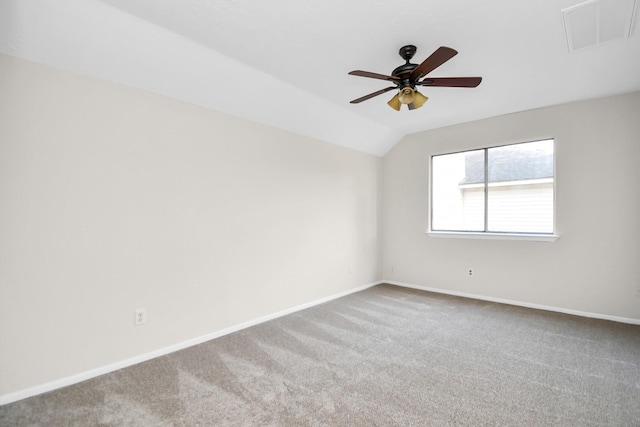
(114, 199)
(592, 267)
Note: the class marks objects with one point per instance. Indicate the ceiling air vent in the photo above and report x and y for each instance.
(598, 21)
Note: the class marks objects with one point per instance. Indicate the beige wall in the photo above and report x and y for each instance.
(114, 199)
(592, 267)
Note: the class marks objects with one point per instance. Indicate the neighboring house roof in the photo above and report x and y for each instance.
(510, 163)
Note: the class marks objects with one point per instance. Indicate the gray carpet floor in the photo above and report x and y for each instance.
(386, 356)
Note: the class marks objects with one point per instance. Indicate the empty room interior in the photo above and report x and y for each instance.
(319, 213)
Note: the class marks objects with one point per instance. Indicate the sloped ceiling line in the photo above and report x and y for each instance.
(284, 63)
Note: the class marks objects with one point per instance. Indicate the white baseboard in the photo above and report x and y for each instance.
(83, 376)
(518, 303)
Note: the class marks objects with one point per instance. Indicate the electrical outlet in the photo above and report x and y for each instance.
(470, 272)
(393, 269)
(141, 316)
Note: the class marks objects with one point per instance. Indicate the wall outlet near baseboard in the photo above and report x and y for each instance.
(141, 316)
(393, 269)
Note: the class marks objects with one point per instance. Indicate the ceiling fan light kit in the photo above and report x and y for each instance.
(407, 76)
(406, 95)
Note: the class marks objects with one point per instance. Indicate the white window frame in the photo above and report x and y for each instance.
(538, 237)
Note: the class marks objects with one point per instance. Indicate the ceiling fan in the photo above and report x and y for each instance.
(406, 77)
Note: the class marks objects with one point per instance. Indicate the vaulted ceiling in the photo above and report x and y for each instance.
(285, 62)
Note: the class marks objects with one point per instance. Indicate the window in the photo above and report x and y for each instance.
(497, 190)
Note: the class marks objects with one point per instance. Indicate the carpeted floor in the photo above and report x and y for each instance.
(386, 356)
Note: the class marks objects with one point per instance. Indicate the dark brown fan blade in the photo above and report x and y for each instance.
(373, 75)
(451, 81)
(437, 58)
(371, 95)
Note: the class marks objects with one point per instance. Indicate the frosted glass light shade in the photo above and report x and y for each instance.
(395, 103)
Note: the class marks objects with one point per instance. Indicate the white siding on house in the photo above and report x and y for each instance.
(521, 208)
(473, 208)
(516, 207)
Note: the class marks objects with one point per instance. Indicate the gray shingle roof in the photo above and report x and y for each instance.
(509, 163)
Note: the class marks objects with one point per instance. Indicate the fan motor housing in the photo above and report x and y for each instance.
(404, 70)
(406, 53)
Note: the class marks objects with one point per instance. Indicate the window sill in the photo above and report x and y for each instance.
(494, 236)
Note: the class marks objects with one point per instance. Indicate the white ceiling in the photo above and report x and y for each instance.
(285, 62)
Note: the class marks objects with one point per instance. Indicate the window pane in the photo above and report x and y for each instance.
(457, 191)
(520, 191)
